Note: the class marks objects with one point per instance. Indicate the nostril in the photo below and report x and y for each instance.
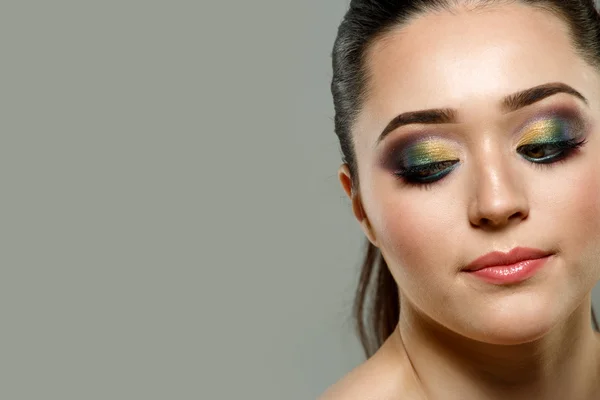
(487, 222)
(518, 215)
(491, 222)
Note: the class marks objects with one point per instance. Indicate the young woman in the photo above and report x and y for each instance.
(470, 133)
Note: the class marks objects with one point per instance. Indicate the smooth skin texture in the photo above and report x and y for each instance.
(459, 337)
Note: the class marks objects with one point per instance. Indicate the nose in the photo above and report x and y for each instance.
(499, 198)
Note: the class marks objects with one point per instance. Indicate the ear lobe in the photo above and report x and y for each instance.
(357, 207)
(368, 231)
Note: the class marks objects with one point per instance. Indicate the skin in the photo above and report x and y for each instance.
(459, 337)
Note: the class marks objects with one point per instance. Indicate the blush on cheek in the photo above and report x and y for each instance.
(413, 231)
(573, 218)
(585, 204)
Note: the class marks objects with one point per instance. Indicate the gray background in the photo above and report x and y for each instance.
(172, 223)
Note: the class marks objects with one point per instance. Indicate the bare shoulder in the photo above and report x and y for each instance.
(369, 381)
(385, 376)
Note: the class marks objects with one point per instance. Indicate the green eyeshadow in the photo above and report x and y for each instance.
(427, 152)
(547, 131)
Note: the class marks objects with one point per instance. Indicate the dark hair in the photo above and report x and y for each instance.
(376, 305)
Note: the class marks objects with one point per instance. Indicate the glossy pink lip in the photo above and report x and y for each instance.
(498, 258)
(512, 267)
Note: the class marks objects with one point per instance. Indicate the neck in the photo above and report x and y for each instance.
(564, 363)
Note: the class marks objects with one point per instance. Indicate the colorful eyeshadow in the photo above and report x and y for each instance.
(427, 152)
(546, 131)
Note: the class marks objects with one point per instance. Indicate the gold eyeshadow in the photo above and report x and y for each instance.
(427, 152)
(546, 139)
(548, 130)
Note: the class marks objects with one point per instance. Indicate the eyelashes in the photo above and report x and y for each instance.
(544, 143)
(427, 173)
(548, 153)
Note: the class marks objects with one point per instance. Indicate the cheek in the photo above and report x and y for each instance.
(414, 228)
(586, 204)
(577, 219)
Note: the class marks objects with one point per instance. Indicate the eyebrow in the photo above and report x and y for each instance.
(510, 103)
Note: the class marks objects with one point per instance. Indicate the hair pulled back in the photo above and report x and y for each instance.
(377, 305)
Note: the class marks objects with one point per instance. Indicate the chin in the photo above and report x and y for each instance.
(516, 334)
(518, 326)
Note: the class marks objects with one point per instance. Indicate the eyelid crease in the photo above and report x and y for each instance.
(570, 121)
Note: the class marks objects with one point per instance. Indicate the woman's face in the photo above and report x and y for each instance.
(494, 181)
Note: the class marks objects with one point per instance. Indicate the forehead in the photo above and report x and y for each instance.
(468, 60)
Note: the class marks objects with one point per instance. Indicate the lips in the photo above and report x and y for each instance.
(496, 258)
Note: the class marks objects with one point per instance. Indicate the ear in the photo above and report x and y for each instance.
(345, 178)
